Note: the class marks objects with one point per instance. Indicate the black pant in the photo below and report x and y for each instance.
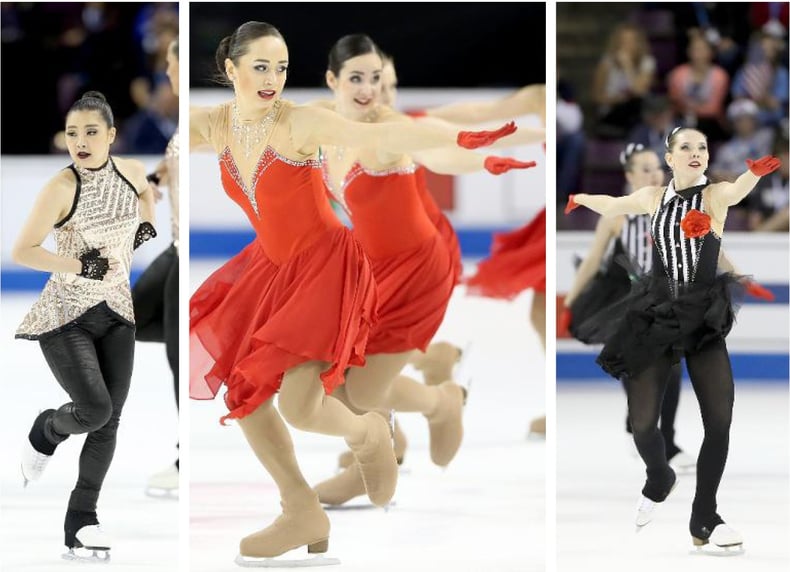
(711, 377)
(669, 410)
(92, 360)
(156, 307)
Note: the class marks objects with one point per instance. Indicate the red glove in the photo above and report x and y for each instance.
(475, 139)
(763, 165)
(499, 165)
(572, 204)
(417, 113)
(564, 323)
(761, 292)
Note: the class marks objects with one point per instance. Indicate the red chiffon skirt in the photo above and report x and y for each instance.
(447, 232)
(517, 263)
(252, 320)
(414, 289)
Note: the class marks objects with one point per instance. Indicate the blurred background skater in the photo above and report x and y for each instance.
(477, 204)
(155, 294)
(119, 50)
(689, 56)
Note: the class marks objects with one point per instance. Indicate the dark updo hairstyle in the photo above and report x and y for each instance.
(627, 155)
(669, 142)
(234, 46)
(94, 101)
(349, 47)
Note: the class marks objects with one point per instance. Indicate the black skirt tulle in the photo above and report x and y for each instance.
(608, 287)
(650, 322)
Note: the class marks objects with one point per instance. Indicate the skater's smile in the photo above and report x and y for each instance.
(357, 86)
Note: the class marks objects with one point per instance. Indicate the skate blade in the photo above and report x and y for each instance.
(535, 436)
(311, 562)
(159, 493)
(714, 550)
(88, 555)
(355, 507)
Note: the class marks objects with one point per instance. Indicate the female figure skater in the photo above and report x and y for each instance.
(681, 309)
(83, 319)
(294, 309)
(155, 294)
(414, 271)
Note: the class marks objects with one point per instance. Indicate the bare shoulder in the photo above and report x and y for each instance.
(133, 170)
(59, 191)
(322, 104)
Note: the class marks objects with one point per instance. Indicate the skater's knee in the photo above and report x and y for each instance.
(643, 426)
(300, 415)
(364, 397)
(94, 413)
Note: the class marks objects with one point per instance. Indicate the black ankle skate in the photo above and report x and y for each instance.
(84, 537)
(712, 536)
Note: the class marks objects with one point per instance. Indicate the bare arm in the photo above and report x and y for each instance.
(450, 161)
(199, 132)
(524, 135)
(604, 232)
(724, 195)
(527, 100)
(312, 126)
(638, 202)
(52, 205)
(725, 263)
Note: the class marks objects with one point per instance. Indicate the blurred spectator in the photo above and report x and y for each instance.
(699, 88)
(657, 122)
(570, 141)
(768, 203)
(622, 78)
(763, 78)
(749, 142)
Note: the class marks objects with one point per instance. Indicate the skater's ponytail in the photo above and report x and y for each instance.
(94, 101)
(234, 46)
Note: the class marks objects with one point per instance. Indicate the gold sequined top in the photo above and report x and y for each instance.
(104, 215)
(171, 159)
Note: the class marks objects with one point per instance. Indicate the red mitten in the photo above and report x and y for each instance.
(763, 165)
(572, 204)
(757, 291)
(564, 323)
(499, 165)
(475, 139)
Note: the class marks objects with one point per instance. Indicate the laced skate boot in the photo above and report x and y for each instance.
(399, 442)
(163, 484)
(446, 423)
(436, 365)
(302, 523)
(341, 488)
(38, 448)
(376, 460)
(712, 536)
(84, 537)
(653, 495)
(683, 463)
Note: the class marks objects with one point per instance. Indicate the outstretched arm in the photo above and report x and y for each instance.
(638, 202)
(52, 205)
(729, 194)
(527, 100)
(448, 161)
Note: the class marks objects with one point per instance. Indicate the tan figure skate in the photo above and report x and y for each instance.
(446, 423)
(376, 460)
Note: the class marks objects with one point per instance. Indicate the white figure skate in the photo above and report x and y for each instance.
(683, 463)
(37, 451)
(723, 541)
(646, 508)
(90, 544)
(163, 484)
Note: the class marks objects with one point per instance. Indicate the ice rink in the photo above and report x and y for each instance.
(144, 530)
(485, 512)
(599, 480)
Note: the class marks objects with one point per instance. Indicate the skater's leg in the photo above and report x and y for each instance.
(669, 411)
(115, 353)
(645, 395)
(436, 364)
(148, 298)
(170, 318)
(374, 386)
(537, 315)
(711, 377)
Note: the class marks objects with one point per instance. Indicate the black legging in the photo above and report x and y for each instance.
(156, 307)
(669, 410)
(92, 360)
(711, 377)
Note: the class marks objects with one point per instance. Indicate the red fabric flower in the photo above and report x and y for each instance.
(695, 224)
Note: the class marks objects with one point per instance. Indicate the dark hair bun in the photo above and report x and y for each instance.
(222, 54)
(94, 95)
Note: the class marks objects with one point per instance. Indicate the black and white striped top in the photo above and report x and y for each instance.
(637, 241)
(678, 254)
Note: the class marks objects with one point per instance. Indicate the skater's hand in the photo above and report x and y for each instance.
(499, 165)
(145, 232)
(475, 139)
(94, 265)
(572, 204)
(564, 323)
(761, 292)
(763, 165)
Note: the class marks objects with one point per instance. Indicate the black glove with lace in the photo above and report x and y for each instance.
(94, 265)
(145, 231)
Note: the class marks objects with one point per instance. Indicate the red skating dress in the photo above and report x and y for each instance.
(413, 269)
(517, 262)
(439, 220)
(303, 290)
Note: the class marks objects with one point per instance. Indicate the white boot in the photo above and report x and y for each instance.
(725, 541)
(164, 483)
(683, 463)
(91, 544)
(646, 507)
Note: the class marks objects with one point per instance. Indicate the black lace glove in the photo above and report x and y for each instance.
(153, 178)
(145, 231)
(94, 265)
